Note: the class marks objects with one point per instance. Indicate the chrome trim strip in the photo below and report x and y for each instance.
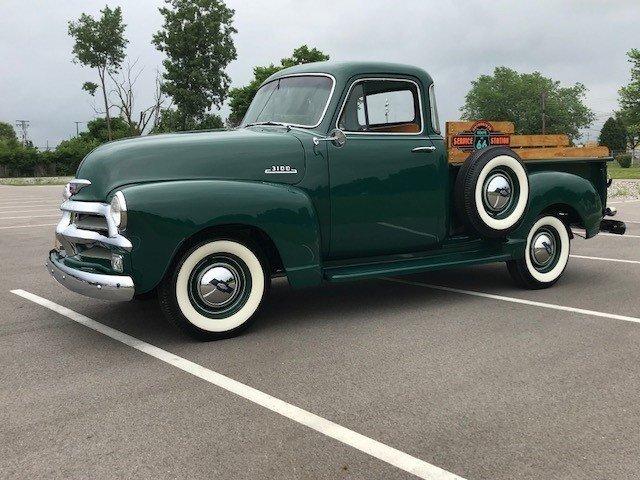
(344, 103)
(311, 74)
(107, 287)
(79, 183)
(77, 235)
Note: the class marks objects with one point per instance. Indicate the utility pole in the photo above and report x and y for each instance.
(24, 125)
(77, 128)
(543, 103)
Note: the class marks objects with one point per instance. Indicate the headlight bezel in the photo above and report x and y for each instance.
(118, 211)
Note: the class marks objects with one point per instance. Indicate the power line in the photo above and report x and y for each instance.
(77, 128)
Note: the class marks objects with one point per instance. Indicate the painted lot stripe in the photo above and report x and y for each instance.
(606, 259)
(28, 202)
(580, 234)
(39, 210)
(28, 226)
(30, 216)
(619, 236)
(20, 208)
(367, 445)
(522, 301)
(619, 202)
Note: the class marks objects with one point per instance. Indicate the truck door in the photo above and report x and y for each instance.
(389, 183)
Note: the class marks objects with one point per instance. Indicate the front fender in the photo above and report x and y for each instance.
(161, 216)
(548, 189)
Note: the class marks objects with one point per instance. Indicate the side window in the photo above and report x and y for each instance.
(382, 106)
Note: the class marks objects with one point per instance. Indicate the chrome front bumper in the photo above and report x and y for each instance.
(107, 287)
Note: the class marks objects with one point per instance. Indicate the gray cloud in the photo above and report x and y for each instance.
(571, 41)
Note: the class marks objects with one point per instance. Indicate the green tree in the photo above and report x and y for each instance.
(98, 130)
(7, 133)
(69, 153)
(240, 98)
(173, 121)
(613, 135)
(197, 38)
(518, 98)
(100, 43)
(629, 99)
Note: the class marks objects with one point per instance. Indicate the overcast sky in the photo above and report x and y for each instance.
(571, 41)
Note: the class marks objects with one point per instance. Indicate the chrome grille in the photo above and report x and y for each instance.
(88, 224)
(91, 222)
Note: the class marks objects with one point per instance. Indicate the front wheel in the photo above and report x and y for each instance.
(215, 289)
(546, 255)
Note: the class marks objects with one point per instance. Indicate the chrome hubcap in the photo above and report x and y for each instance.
(219, 285)
(497, 192)
(543, 249)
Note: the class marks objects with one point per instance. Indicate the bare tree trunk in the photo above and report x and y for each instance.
(106, 102)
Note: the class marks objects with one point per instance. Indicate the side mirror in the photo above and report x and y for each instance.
(336, 137)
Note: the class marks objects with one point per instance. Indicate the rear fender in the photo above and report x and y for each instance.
(163, 215)
(548, 189)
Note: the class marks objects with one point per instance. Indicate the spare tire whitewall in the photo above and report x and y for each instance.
(492, 191)
(517, 196)
(215, 290)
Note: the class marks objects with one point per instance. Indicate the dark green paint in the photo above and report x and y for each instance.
(371, 208)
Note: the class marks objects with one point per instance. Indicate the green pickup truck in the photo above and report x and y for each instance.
(338, 172)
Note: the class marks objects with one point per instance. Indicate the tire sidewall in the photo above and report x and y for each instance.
(180, 287)
(469, 191)
(556, 272)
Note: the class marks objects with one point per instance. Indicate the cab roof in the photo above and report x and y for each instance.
(343, 71)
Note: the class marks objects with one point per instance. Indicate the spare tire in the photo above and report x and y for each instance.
(492, 191)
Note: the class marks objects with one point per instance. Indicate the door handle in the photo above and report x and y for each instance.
(424, 149)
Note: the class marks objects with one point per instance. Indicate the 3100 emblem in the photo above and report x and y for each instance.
(281, 169)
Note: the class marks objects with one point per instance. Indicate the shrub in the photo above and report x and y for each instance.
(624, 160)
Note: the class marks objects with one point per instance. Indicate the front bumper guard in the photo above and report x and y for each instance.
(118, 288)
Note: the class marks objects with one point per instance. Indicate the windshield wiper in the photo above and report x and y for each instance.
(280, 124)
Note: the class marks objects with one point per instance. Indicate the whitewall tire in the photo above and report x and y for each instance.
(215, 289)
(492, 191)
(546, 254)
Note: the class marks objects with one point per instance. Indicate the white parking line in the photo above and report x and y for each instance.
(367, 445)
(619, 236)
(552, 306)
(618, 202)
(30, 216)
(26, 202)
(39, 210)
(606, 259)
(27, 226)
(20, 208)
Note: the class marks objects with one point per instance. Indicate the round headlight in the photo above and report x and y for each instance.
(118, 211)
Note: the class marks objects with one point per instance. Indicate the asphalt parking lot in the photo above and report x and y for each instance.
(484, 382)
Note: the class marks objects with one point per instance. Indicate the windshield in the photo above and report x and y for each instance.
(299, 101)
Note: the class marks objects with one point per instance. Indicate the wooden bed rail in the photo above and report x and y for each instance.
(462, 137)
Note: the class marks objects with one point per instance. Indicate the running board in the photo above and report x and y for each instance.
(414, 265)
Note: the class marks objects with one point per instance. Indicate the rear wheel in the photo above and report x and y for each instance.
(215, 289)
(546, 255)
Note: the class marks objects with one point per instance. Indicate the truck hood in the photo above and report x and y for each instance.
(245, 154)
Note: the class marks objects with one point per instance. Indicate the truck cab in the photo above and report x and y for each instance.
(339, 171)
